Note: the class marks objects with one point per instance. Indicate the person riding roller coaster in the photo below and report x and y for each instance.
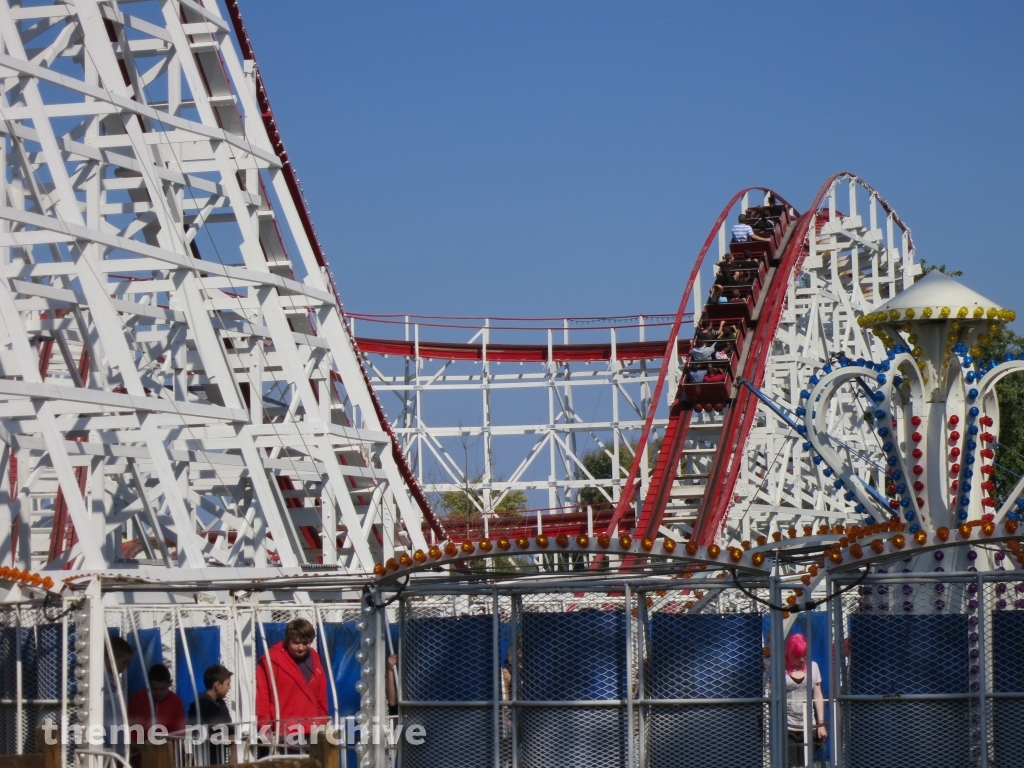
(744, 233)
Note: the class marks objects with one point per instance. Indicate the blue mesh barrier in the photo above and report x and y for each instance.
(204, 650)
(41, 661)
(908, 654)
(904, 655)
(574, 656)
(706, 657)
(1007, 677)
(449, 659)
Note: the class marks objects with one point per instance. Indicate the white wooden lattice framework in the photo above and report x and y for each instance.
(178, 386)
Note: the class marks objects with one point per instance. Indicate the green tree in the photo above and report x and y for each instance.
(926, 268)
(464, 506)
(1009, 459)
(599, 464)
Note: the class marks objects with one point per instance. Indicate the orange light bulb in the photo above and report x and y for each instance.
(542, 541)
(583, 540)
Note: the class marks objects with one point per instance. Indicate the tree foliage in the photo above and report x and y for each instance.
(466, 504)
(926, 268)
(599, 464)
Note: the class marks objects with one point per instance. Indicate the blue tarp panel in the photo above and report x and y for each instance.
(274, 630)
(150, 653)
(342, 642)
(204, 651)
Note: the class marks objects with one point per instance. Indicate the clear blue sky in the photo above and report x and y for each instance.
(551, 158)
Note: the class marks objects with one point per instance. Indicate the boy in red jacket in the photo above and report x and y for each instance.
(168, 706)
(291, 687)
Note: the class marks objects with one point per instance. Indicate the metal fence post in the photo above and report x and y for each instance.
(630, 742)
(834, 613)
(497, 686)
(777, 678)
(983, 662)
(379, 624)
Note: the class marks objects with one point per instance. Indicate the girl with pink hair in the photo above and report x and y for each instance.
(796, 698)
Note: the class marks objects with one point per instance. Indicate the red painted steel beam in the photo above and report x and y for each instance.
(521, 353)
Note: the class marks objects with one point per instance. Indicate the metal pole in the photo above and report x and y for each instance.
(380, 627)
(19, 704)
(777, 680)
(809, 685)
(496, 664)
(641, 691)
(836, 657)
(630, 745)
(983, 674)
(514, 669)
(66, 650)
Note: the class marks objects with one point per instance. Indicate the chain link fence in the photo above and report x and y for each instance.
(920, 669)
(624, 676)
(37, 673)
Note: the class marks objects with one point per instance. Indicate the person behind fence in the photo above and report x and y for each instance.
(213, 707)
(167, 707)
(213, 711)
(291, 687)
(796, 698)
(113, 722)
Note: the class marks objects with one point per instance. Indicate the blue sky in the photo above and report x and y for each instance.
(569, 158)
